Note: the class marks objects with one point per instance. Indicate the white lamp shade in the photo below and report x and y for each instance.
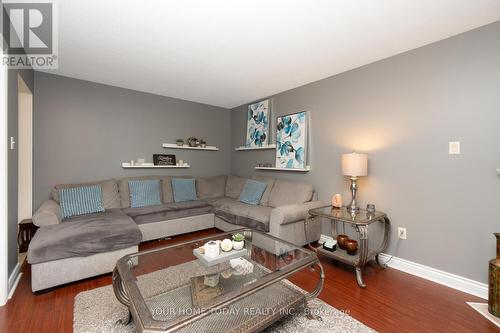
(354, 165)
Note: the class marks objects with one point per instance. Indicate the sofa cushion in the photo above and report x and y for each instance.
(166, 188)
(211, 187)
(144, 193)
(109, 188)
(167, 212)
(124, 190)
(264, 201)
(252, 216)
(217, 202)
(234, 186)
(80, 200)
(83, 236)
(184, 189)
(252, 192)
(287, 193)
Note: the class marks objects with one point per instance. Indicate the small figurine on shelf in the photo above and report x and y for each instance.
(203, 143)
(179, 142)
(193, 142)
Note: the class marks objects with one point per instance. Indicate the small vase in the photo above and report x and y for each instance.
(341, 241)
(494, 282)
(238, 245)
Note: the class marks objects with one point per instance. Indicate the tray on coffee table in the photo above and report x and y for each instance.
(222, 257)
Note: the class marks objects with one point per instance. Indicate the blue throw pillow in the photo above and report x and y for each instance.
(252, 192)
(80, 200)
(144, 193)
(184, 189)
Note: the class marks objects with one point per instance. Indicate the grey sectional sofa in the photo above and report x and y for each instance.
(63, 251)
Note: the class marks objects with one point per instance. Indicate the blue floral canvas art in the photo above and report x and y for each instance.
(258, 124)
(291, 141)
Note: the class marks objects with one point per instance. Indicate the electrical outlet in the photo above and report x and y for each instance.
(454, 147)
(401, 233)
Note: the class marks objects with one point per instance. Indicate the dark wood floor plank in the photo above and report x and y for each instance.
(393, 301)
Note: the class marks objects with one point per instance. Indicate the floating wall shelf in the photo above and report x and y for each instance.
(498, 171)
(152, 166)
(306, 169)
(175, 146)
(270, 146)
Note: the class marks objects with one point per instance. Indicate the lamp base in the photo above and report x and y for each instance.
(353, 206)
(352, 209)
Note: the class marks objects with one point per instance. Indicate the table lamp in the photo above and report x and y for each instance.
(354, 165)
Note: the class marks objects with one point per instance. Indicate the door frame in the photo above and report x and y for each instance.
(4, 274)
(24, 150)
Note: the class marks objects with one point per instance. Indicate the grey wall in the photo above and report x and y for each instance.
(402, 111)
(27, 76)
(84, 131)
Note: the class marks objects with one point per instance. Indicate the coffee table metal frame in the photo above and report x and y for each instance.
(128, 293)
(360, 222)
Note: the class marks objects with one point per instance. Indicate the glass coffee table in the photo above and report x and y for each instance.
(170, 290)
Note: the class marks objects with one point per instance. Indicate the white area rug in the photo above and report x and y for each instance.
(482, 308)
(98, 310)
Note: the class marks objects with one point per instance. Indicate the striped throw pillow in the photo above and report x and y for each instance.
(80, 200)
(144, 193)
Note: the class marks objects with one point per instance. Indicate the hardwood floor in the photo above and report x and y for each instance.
(393, 301)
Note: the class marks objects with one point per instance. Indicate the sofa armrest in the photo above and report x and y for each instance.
(48, 213)
(292, 213)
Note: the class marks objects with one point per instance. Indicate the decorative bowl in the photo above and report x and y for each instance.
(341, 241)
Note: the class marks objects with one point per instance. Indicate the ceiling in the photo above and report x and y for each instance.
(227, 53)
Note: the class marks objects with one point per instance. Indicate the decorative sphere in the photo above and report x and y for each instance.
(226, 245)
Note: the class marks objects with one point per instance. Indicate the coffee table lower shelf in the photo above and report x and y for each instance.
(252, 313)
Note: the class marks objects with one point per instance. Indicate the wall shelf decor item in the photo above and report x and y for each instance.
(152, 166)
(164, 159)
(291, 141)
(175, 146)
(269, 146)
(306, 169)
(258, 124)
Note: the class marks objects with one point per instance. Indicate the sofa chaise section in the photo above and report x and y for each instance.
(81, 247)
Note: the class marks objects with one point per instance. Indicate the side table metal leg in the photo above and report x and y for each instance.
(359, 277)
(309, 222)
(363, 253)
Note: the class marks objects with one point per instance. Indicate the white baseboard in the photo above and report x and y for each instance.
(14, 279)
(448, 279)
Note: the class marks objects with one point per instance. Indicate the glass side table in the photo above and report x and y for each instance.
(360, 221)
